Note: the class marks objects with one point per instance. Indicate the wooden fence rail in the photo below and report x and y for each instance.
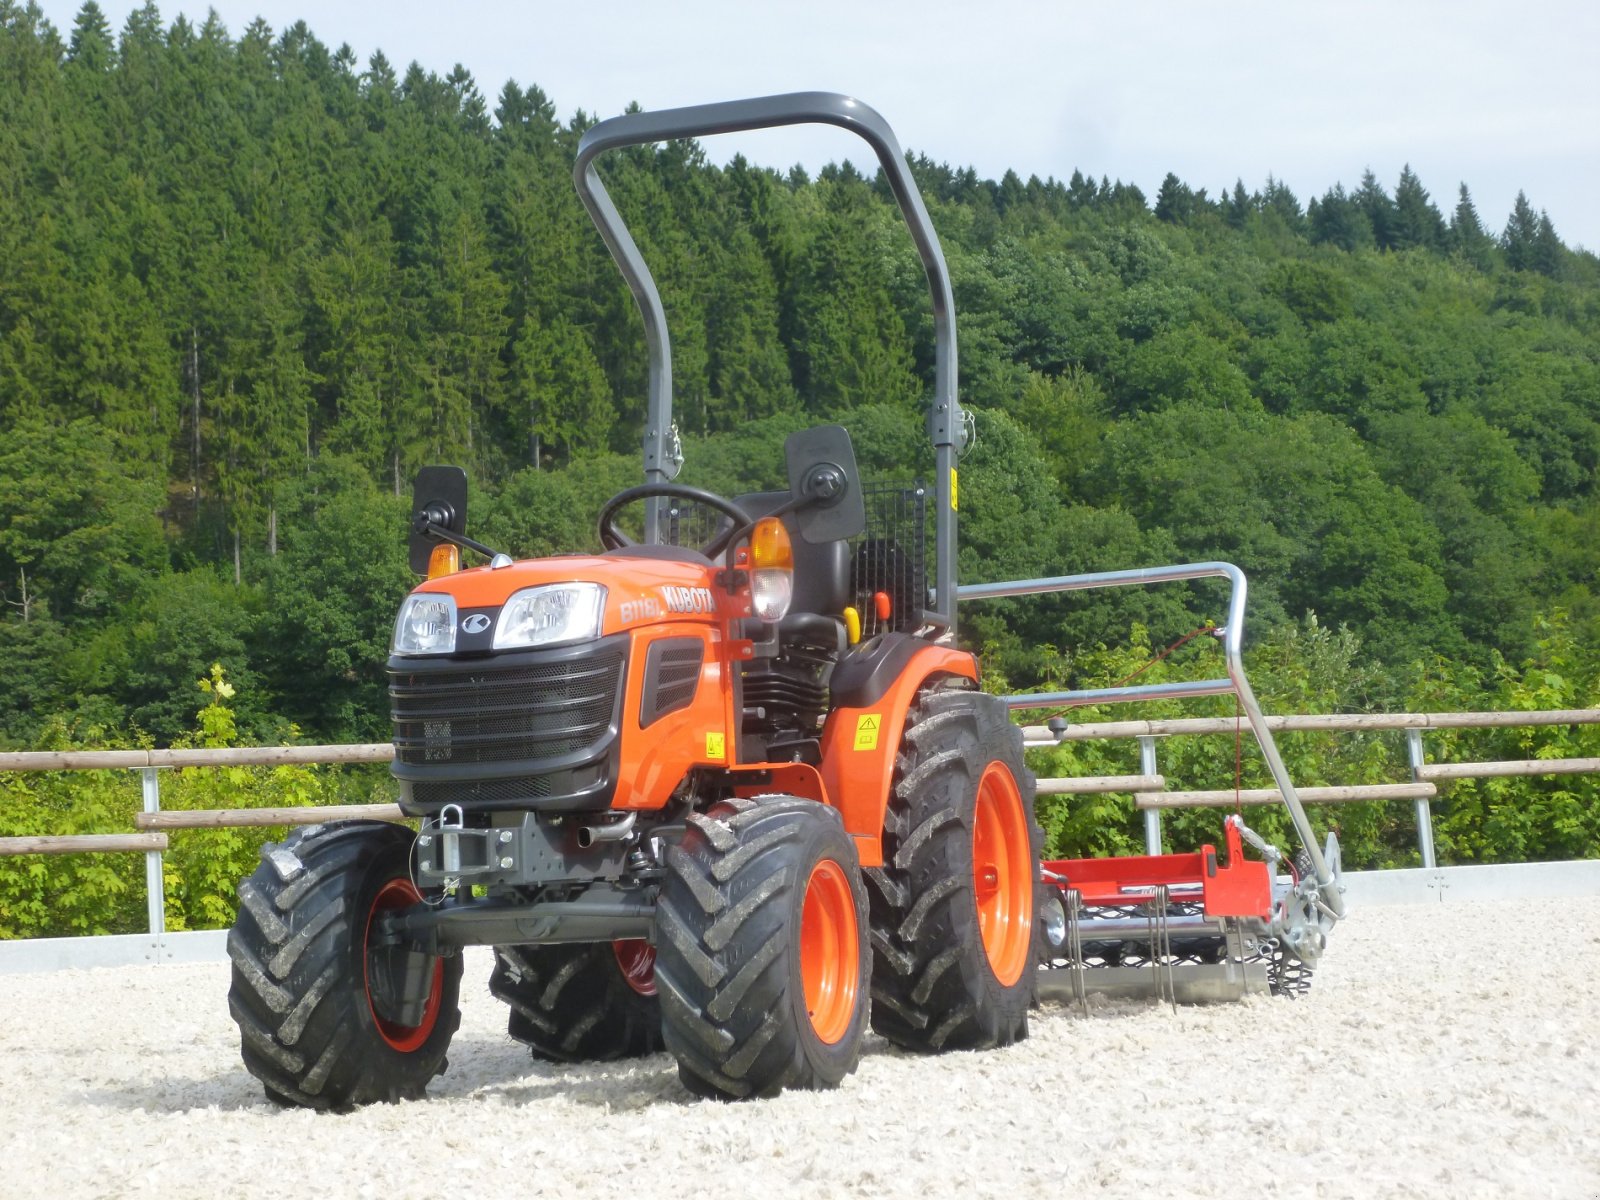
(83, 843)
(239, 818)
(1148, 787)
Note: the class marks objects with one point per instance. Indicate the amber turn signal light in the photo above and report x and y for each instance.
(445, 560)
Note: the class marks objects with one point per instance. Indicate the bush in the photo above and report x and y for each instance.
(75, 894)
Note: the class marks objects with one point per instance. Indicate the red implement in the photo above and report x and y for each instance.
(1240, 888)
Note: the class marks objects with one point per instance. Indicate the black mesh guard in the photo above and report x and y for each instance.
(891, 557)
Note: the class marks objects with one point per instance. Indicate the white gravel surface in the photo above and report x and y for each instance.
(1444, 1051)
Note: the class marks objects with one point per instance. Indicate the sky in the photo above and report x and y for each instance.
(1500, 96)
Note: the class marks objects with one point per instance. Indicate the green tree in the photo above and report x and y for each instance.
(1467, 236)
(1417, 223)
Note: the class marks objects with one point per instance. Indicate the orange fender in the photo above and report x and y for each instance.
(859, 746)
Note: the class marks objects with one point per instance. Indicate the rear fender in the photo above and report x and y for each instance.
(860, 742)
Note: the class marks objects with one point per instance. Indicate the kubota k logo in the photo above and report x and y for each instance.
(476, 623)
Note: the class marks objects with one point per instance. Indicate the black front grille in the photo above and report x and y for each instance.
(494, 792)
(497, 710)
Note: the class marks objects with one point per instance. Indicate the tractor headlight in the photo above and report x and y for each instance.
(426, 625)
(551, 615)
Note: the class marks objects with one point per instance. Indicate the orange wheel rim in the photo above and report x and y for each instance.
(401, 893)
(636, 959)
(1002, 873)
(830, 951)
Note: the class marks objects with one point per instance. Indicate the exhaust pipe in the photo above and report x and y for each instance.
(616, 831)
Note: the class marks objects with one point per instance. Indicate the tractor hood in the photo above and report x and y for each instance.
(643, 588)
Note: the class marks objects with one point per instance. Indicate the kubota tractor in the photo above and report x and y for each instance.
(688, 802)
(673, 785)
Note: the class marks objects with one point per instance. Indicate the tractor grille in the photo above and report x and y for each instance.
(491, 792)
(492, 712)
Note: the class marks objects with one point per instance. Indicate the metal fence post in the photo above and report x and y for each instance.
(155, 888)
(1152, 816)
(1424, 809)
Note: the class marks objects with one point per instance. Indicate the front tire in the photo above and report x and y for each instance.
(309, 1028)
(954, 937)
(762, 956)
(580, 1003)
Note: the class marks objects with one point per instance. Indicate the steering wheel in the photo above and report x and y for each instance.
(613, 538)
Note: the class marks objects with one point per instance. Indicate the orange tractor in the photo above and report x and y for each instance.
(726, 786)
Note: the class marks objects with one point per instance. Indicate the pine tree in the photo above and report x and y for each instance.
(1417, 223)
(1175, 201)
(1379, 210)
(1548, 251)
(1521, 237)
(1467, 237)
(1237, 206)
(560, 390)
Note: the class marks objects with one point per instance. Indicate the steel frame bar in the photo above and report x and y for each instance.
(1232, 634)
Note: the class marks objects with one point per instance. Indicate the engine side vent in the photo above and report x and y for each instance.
(671, 677)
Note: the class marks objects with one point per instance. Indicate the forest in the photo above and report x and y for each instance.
(248, 285)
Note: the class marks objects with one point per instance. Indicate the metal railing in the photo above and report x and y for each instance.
(1148, 787)
(1151, 795)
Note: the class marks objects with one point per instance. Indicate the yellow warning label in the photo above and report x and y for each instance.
(955, 489)
(716, 746)
(867, 731)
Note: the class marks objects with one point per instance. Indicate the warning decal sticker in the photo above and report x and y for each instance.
(716, 746)
(867, 731)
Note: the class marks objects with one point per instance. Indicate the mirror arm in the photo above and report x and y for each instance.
(430, 528)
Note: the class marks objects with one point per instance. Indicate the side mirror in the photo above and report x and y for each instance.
(439, 498)
(824, 480)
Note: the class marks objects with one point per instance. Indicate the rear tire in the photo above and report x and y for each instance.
(954, 938)
(307, 1024)
(577, 1003)
(763, 962)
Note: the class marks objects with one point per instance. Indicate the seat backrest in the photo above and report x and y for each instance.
(821, 569)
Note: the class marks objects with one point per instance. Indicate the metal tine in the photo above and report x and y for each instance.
(1077, 965)
(1161, 946)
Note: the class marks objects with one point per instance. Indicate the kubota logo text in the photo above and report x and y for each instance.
(689, 599)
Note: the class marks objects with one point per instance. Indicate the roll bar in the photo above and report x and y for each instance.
(768, 112)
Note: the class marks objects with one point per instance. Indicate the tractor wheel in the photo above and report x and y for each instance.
(954, 937)
(762, 949)
(583, 1002)
(310, 1028)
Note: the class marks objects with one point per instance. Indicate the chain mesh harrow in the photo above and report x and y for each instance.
(1157, 945)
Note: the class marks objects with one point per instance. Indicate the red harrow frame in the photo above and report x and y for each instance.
(1191, 927)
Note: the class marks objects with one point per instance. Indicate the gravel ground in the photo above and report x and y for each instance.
(1442, 1052)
